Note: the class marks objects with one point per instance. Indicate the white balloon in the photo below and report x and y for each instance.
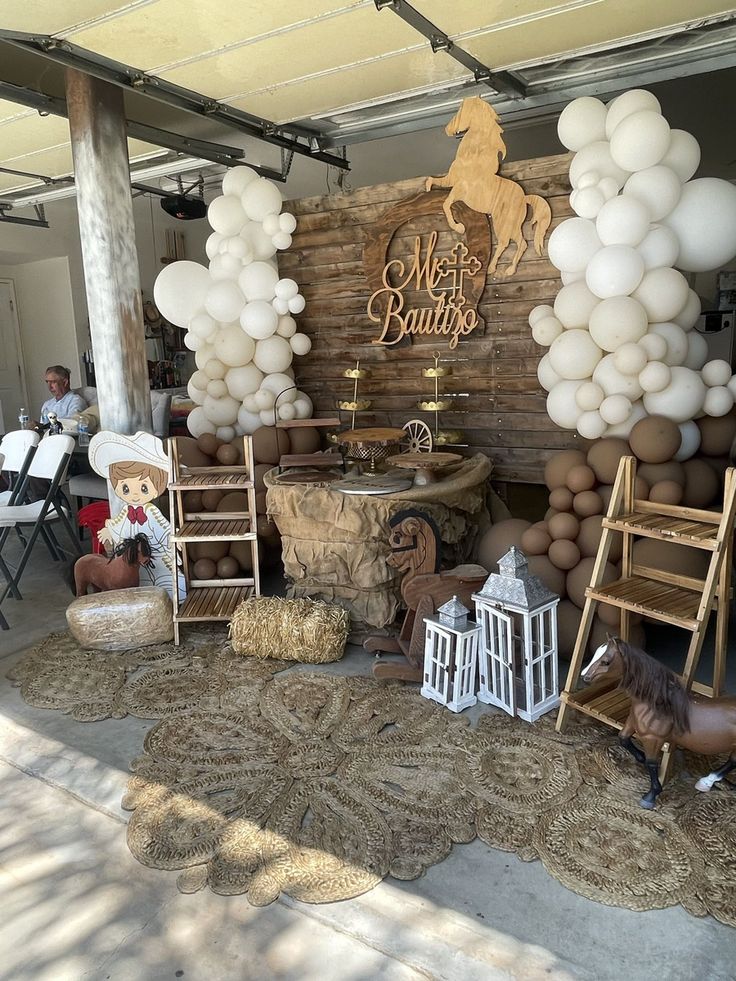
(683, 156)
(214, 368)
(635, 100)
(589, 396)
(265, 399)
(683, 398)
(203, 326)
(574, 305)
(732, 386)
(609, 187)
(590, 178)
(287, 326)
(596, 157)
(572, 277)
(225, 266)
(587, 201)
(250, 401)
(297, 303)
(243, 380)
(281, 385)
(654, 345)
(217, 388)
(267, 417)
(287, 223)
(199, 379)
(615, 270)
(705, 224)
(287, 412)
(716, 373)
(225, 214)
(212, 245)
(574, 354)
(718, 401)
(300, 344)
(224, 301)
(690, 444)
(273, 354)
(546, 330)
(546, 374)
(615, 409)
(623, 220)
(610, 379)
(624, 428)
(262, 244)
(689, 315)
(179, 291)
(697, 350)
(225, 433)
(261, 198)
(198, 424)
(286, 288)
(221, 411)
(539, 312)
(196, 394)
(193, 341)
(572, 244)
(237, 179)
(259, 319)
(640, 140)
(659, 247)
(630, 358)
(258, 281)
(582, 121)
(203, 355)
(280, 306)
(590, 425)
(271, 224)
(303, 408)
(233, 347)
(281, 240)
(616, 321)
(238, 247)
(657, 188)
(663, 293)
(561, 405)
(676, 339)
(655, 377)
(248, 421)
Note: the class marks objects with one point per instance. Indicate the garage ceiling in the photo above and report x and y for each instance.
(326, 73)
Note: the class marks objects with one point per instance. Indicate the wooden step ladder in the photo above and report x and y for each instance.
(664, 596)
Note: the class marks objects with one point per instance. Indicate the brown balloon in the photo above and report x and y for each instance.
(190, 454)
(578, 579)
(261, 502)
(535, 541)
(208, 443)
(192, 500)
(210, 499)
(270, 444)
(552, 577)
(580, 478)
(670, 557)
(241, 552)
(587, 503)
(568, 623)
(604, 456)
(561, 499)
(305, 440)
(653, 473)
(207, 550)
(233, 501)
(498, 540)
(557, 467)
(563, 554)
(204, 569)
(259, 471)
(564, 526)
(228, 567)
(701, 484)
(655, 439)
(589, 539)
(716, 434)
(666, 492)
(227, 455)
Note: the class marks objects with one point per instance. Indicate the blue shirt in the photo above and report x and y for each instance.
(65, 408)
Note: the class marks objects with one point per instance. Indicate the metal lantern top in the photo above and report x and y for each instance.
(514, 586)
(453, 614)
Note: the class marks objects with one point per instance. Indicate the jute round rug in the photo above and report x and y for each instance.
(318, 786)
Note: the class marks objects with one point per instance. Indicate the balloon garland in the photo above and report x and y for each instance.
(239, 313)
(620, 334)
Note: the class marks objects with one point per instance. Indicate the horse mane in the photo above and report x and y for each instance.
(647, 679)
(129, 548)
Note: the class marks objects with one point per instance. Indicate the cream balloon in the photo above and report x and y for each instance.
(676, 339)
(225, 433)
(561, 405)
(180, 290)
(610, 379)
(261, 198)
(221, 411)
(281, 240)
(546, 374)
(615, 270)
(203, 355)
(243, 380)
(214, 368)
(626, 104)
(690, 444)
(248, 421)
(224, 301)
(225, 266)
(654, 345)
(596, 157)
(250, 404)
(663, 293)
(705, 224)
(287, 326)
(273, 354)
(286, 288)
(589, 396)
(280, 306)
(718, 401)
(573, 244)
(683, 398)
(193, 342)
(212, 245)
(716, 373)
(630, 358)
(217, 388)
(198, 424)
(539, 312)
(574, 354)
(297, 303)
(690, 313)
(258, 281)
(624, 220)
(615, 409)
(197, 395)
(259, 319)
(546, 330)
(265, 399)
(657, 188)
(590, 425)
(287, 223)
(640, 140)
(268, 417)
(199, 379)
(655, 377)
(226, 215)
(301, 344)
(281, 385)
(616, 321)
(581, 122)
(587, 201)
(203, 326)
(287, 412)
(623, 429)
(572, 277)
(574, 305)
(683, 155)
(237, 179)
(659, 247)
(233, 346)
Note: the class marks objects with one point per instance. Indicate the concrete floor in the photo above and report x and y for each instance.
(75, 904)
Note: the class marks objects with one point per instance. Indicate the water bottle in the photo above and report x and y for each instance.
(83, 429)
(23, 419)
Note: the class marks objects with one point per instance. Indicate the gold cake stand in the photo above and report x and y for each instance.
(371, 445)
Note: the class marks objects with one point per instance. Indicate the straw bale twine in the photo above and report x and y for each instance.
(290, 629)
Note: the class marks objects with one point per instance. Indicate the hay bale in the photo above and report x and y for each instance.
(120, 619)
(290, 629)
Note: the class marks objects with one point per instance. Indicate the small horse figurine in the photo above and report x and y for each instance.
(120, 571)
(473, 179)
(663, 711)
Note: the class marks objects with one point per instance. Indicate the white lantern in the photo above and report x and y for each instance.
(517, 615)
(451, 657)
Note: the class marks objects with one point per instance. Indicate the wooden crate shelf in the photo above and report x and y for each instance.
(609, 705)
(669, 604)
(214, 530)
(206, 478)
(666, 528)
(212, 602)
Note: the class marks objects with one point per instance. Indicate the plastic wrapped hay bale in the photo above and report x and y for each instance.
(290, 629)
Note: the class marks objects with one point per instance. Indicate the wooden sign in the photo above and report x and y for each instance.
(447, 290)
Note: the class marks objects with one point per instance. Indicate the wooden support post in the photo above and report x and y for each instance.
(107, 231)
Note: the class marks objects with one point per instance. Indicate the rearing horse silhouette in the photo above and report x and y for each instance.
(473, 179)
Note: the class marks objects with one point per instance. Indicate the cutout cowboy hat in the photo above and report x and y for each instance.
(106, 448)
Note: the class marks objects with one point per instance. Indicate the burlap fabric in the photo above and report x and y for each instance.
(335, 546)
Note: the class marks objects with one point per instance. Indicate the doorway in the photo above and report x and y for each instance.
(13, 394)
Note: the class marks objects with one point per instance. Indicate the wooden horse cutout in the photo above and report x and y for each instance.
(663, 711)
(415, 551)
(118, 572)
(473, 179)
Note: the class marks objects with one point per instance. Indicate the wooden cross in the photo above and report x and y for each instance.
(458, 269)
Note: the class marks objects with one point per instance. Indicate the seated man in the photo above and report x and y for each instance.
(65, 403)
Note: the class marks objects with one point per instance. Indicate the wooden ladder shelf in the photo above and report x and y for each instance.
(679, 600)
(211, 599)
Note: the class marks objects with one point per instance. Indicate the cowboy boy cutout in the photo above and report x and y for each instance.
(137, 469)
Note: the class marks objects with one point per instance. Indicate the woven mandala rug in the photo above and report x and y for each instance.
(147, 682)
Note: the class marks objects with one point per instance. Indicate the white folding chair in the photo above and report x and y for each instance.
(17, 449)
(50, 462)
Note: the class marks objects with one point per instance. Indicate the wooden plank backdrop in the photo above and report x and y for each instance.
(499, 403)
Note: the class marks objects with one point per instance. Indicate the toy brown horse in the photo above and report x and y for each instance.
(120, 571)
(662, 711)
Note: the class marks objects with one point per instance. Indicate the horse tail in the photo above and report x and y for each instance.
(541, 218)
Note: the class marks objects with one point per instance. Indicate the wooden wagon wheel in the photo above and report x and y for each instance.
(419, 436)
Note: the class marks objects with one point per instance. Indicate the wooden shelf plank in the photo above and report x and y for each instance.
(658, 600)
(216, 530)
(212, 602)
(666, 528)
